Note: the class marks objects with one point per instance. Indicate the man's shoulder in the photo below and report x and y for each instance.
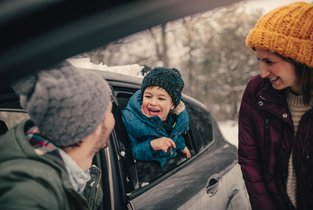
(28, 169)
(32, 182)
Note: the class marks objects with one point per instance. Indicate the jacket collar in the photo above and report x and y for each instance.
(274, 101)
(135, 106)
(271, 95)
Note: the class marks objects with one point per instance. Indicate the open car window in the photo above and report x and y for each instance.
(143, 173)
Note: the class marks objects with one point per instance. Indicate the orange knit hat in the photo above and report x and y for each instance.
(287, 31)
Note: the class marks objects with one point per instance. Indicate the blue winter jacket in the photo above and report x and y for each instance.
(142, 129)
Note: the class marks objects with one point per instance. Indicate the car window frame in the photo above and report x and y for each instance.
(130, 89)
(193, 128)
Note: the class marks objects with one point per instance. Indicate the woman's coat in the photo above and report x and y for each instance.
(266, 138)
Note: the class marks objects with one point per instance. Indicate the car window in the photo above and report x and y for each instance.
(201, 126)
(146, 171)
(142, 173)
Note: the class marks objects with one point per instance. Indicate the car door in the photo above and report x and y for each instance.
(197, 183)
(211, 179)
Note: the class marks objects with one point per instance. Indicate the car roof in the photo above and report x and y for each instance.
(38, 34)
(123, 80)
(113, 77)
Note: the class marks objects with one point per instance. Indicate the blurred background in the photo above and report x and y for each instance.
(208, 49)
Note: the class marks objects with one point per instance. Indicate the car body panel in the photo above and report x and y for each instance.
(185, 184)
(188, 185)
(233, 192)
(38, 34)
(211, 179)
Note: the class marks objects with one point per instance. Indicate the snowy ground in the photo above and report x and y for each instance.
(230, 131)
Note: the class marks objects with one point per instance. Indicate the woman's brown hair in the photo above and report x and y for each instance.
(305, 76)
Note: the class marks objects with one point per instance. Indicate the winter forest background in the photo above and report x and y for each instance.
(208, 49)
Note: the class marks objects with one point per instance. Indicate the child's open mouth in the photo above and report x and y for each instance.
(153, 112)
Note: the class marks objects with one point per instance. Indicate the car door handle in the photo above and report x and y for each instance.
(213, 185)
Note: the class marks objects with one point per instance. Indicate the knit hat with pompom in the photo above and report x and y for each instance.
(167, 78)
(66, 104)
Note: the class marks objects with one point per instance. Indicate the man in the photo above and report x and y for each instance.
(45, 161)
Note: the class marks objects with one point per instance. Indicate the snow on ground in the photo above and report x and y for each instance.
(230, 131)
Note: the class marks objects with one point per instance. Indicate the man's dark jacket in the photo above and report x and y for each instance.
(30, 181)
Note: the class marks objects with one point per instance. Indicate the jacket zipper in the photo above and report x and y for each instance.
(266, 139)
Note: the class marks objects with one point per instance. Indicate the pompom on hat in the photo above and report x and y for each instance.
(287, 31)
(167, 78)
(67, 105)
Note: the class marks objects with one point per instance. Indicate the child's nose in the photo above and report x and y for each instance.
(153, 101)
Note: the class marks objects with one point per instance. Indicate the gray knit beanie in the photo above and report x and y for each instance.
(67, 105)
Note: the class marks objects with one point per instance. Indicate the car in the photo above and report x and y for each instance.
(38, 34)
(35, 39)
(210, 179)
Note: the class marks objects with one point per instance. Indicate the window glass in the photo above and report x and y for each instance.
(201, 125)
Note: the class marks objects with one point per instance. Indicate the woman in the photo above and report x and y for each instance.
(276, 116)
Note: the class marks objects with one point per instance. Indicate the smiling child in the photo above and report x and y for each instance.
(156, 118)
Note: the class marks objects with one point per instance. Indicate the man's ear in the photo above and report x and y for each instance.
(97, 132)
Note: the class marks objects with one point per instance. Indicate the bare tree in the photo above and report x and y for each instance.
(161, 47)
(208, 48)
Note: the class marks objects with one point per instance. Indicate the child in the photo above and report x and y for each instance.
(156, 118)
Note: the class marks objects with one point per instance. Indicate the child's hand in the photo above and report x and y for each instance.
(186, 152)
(163, 144)
(179, 108)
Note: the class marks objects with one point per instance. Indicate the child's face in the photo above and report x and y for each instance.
(156, 102)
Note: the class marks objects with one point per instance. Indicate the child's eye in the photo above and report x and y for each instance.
(147, 96)
(162, 99)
